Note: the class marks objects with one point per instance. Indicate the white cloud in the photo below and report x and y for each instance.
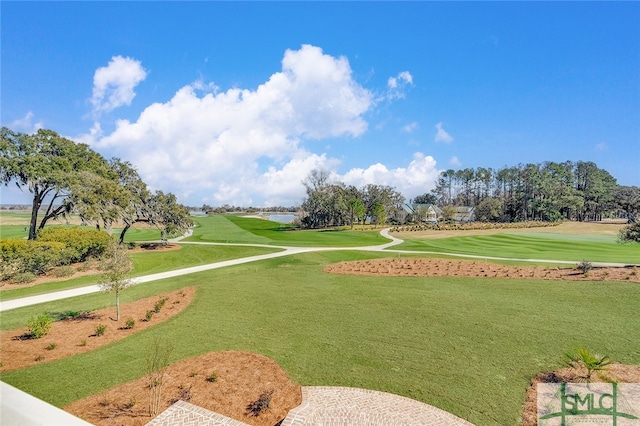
(113, 85)
(244, 146)
(26, 124)
(454, 161)
(601, 146)
(417, 178)
(442, 135)
(396, 85)
(410, 128)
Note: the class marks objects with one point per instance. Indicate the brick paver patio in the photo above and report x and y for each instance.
(328, 406)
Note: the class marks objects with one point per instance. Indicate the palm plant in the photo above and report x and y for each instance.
(583, 358)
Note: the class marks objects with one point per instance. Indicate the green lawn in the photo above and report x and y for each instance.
(532, 246)
(468, 346)
(238, 229)
(150, 263)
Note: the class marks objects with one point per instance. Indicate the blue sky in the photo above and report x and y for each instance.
(235, 102)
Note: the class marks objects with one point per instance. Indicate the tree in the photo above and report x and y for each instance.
(628, 200)
(489, 210)
(379, 215)
(51, 167)
(425, 199)
(167, 215)
(448, 214)
(116, 267)
(630, 233)
(356, 210)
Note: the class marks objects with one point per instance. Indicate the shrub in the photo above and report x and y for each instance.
(584, 267)
(51, 346)
(212, 377)
(148, 315)
(24, 278)
(80, 243)
(159, 304)
(100, 329)
(63, 271)
(129, 323)
(261, 404)
(39, 358)
(83, 342)
(39, 326)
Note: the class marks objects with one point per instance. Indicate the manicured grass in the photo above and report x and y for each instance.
(13, 231)
(469, 346)
(238, 229)
(531, 246)
(150, 263)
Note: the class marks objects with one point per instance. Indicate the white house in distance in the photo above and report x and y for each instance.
(430, 213)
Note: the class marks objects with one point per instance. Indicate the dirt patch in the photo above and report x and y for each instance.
(73, 336)
(615, 372)
(151, 247)
(418, 267)
(241, 378)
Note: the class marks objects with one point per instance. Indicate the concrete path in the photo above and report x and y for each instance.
(286, 251)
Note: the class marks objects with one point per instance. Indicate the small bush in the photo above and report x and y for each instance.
(24, 278)
(100, 329)
(83, 342)
(148, 315)
(51, 346)
(129, 323)
(212, 377)
(39, 326)
(159, 304)
(63, 271)
(584, 267)
(261, 404)
(39, 358)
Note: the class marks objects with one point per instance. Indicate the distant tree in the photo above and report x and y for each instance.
(489, 210)
(356, 210)
(425, 199)
(630, 233)
(116, 267)
(628, 200)
(167, 215)
(379, 215)
(448, 213)
(52, 168)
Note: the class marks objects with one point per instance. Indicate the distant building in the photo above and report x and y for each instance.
(429, 213)
(465, 214)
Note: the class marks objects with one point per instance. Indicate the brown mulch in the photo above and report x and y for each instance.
(73, 336)
(241, 378)
(615, 372)
(467, 268)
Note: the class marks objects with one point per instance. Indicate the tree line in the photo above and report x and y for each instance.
(65, 177)
(336, 204)
(548, 191)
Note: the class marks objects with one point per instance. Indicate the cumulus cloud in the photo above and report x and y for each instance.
(454, 161)
(397, 84)
(239, 145)
(26, 124)
(418, 177)
(442, 135)
(113, 85)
